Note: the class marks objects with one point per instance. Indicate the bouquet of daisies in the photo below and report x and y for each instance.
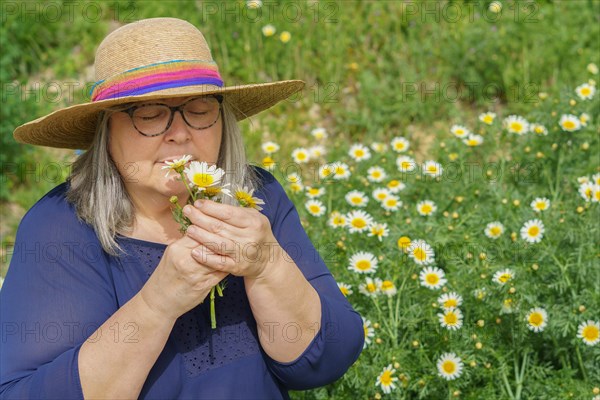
(204, 181)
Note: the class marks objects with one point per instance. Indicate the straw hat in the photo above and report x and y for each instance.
(149, 59)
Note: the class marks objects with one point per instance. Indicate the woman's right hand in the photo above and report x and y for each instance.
(179, 282)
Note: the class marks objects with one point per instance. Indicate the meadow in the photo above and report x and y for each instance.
(444, 158)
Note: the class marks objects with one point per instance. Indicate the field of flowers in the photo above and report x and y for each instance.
(444, 159)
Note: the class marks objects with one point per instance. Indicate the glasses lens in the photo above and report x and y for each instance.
(202, 112)
(151, 119)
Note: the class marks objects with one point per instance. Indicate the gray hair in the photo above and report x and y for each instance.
(99, 196)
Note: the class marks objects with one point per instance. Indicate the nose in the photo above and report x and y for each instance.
(179, 131)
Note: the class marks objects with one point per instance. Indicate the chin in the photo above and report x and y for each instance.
(173, 187)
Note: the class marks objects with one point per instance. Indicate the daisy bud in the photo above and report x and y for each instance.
(513, 236)
(554, 146)
(482, 256)
(474, 336)
(579, 209)
(473, 364)
(415, 343)
(483, 276)
(396, 365)
(581, 308)
(539, 154)
(512, 290)
(459, 199)
(478, 345)
(377, 396)
(456, 393)
(481, 323)
(488, 365)
(421, 382)
(454, 215)
(466, 237)
(572, 102)
(414, 276)
(469, 256)
(378, 341)
(543, 95)
(535, 267)
(527, 149)
(585, 146)
(596, 390)
(407, 221)
(173, 200)
(442, 145)
(561, 220)
(516, 203)
(445, 214)
(434, 305)
(504, 201)
(450, 228)
(498, 321)
(376, 325)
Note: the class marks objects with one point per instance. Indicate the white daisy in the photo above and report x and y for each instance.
(451, 319)
(301, 155)
(370, 287)
(503, 276)
(380, 194)
(426, 207)
(317, 151)
(296, 187)
(586, 190)
(386, 380)
(533, 231)
(379, 147)
(400, 144)
(487, 118)
(432, 168)
(537, 319)
(376, 174)
(589, 332)
(325, 171)
(254, 3)
(357, 199)
(358, 221)
(391, 203)
(539, 129)
(314, 192)
(421, 252)
(202, 176)
(176, 165)
(596, 178)
(516, 124)
(596, 194)
(270, 147)
(359, 152)
(450, 300)
(432, 278)
(363, 262)
(585, 91)
(494, 230)
(294, 178)
(378, 230)
(345, 289)
(449, 366)
(319, 133)
(394, 186)
(459, 131)
(540, 204)
(336, 220)
(315, 207)
(268, 30)
(369, 331)
(584, 118)
(388, 288)
(473, 140)
(406, 164)
(340, 170)
(569, 123)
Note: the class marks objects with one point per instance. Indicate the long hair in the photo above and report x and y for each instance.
(98, 194)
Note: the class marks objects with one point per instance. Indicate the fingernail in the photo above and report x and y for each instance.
(187, 210)
(192, 229)
(198, 203)
(197, 253)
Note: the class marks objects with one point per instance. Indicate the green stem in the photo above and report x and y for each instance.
(187, 186)
(506, 384)
(583, 371)
(213, 317)
(519, 375)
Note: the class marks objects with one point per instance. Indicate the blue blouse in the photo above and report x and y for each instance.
(61, 286)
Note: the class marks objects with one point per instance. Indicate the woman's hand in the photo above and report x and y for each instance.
(179, 282)
(231, 239)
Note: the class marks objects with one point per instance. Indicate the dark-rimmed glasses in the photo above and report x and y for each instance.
(154, 119)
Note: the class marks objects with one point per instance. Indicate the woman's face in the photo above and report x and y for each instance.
(140, 159)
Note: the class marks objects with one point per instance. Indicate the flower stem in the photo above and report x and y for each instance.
(213, 317)
(583, 372)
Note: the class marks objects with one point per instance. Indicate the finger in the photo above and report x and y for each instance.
(235, 216)
(216, 243)
(218, 262)
(205, 221)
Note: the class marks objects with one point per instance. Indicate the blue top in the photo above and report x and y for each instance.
(61, 286)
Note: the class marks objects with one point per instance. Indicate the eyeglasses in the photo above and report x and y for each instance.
(153, 119)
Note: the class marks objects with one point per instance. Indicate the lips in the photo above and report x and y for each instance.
(171, 159)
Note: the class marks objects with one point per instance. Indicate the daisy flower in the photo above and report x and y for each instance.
(585, 91)
(592, 68)
(319, 133)
(596, 194)
(345, 289)
(539, 129)
(589, 332)
(420, 251)
(569, 123)
(376, 174)
(586, 190)
(370, 287)
(340, 170)
(432, 168)
(358, 221)
(386, 380)
(432, 278)
(285, 36)
(176, 165)
(451, 319)
(540, 204)
(313, 192)
(584, 118)
(537, 319)
(493, 230)
(487, 118)
(404, 243)
(379, 147)
(459, 131)
(450, 300)
(394, 186)
(325, 171)
(380, 194)
(268, 163)
(316, 151)
(369, 331)
(480, 293)
(357, 199)
(363, 262)
(268, 30)
(294, 178)
(596, 178)
(336, 220)
(533, 231)
(202, 176)
(473, 140)
(378, 230)
(315, 207)
(426, 207)
(503, 276)
(245, 198)
(270, 147)
(508, 306)
(406, 164)
(449, 366)
(391, 203)
(400, 144)
(296, 187)
(300, 155)
(388, 288)
(516, 124)
(254, 3)
(359, 152)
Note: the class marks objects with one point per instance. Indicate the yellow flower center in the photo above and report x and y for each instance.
(585, 91)
(268, 161)
(404, 242)
(371, 287)
(301, 156)
(432, 168)
(472, 142)
(245, 199)
(432, 279)
(536, 319)
(366, 330)
(386, 378)
(203, 180)
(363, 265)
(540, 206)
(359, 153)
(516, 126)
(359, 223)
(590, 333)
(344, 290)
(488, 119)
(313, 191)
(450, 303)
(314, 208)
(381, 196)
(448, 367)
(399, 146)
(393, 184)
(495, 230)
(340, 171)
(533, 231)
(568, 124)
(339, 221)
(459, 132)
(387, 285)
(405, 164)
(356, 200)
(504, 278)
(376, 174)
(450, 318)
(425, 208)
(391, 202)
(419, 254)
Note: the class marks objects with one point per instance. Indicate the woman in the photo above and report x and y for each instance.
(105, 298)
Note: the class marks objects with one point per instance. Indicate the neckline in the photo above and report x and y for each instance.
(141, 242)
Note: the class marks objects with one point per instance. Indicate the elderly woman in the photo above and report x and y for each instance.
(105, 297)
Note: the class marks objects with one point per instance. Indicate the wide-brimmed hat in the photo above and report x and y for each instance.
(144, 60)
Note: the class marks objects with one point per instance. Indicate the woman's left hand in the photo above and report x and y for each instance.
(232, 239)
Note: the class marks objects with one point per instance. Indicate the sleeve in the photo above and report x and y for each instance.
(56, 294)
(339, 341)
